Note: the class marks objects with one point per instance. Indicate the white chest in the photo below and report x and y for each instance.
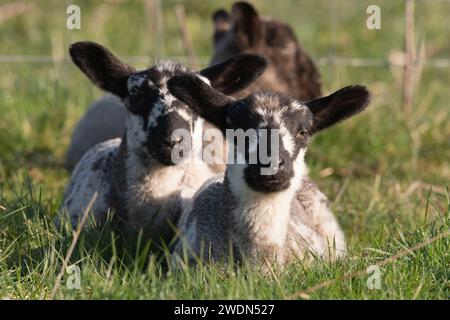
(266, 217)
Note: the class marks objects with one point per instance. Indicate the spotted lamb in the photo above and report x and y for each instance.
(260, 217)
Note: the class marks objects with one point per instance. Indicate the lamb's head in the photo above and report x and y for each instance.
(282, 128)
(243, 29)
(153, 113)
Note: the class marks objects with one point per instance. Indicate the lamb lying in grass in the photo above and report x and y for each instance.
(136, 176)
(260, 217)
(291, 70)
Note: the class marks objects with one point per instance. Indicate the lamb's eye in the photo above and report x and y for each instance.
(302, 133)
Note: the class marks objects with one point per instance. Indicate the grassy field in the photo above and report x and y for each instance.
(387, 174)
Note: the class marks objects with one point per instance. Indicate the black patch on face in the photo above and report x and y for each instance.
(297, 121)
(147, 96)
(144, 97)
(265, 184)
(159, 142)
(279, 181)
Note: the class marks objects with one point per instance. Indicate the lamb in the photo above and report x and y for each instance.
(136, 176)
(290, 71)
(262, 217)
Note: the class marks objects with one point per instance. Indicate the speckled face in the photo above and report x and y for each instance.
(291, 121)
(155, 113)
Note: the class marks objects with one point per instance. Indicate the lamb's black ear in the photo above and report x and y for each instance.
(235, 73)
(222, 23)
(338, 106)
(246, 24)
(204, 100)
(101, 66)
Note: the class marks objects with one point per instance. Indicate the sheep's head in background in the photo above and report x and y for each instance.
(290, 71)
(153, 114)
(294, 121)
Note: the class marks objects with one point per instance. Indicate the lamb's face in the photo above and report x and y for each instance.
(154, 114)
(293, 123)
(282, 126)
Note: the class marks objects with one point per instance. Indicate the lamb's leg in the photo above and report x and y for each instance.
(329, 228)
(304, 241)
(318, 216)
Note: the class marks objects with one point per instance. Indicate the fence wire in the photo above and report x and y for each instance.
(321, 61)
(332, 59)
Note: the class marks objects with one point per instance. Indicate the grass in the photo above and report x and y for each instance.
(370, 167)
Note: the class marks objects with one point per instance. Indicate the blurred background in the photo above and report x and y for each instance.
(374, 168)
